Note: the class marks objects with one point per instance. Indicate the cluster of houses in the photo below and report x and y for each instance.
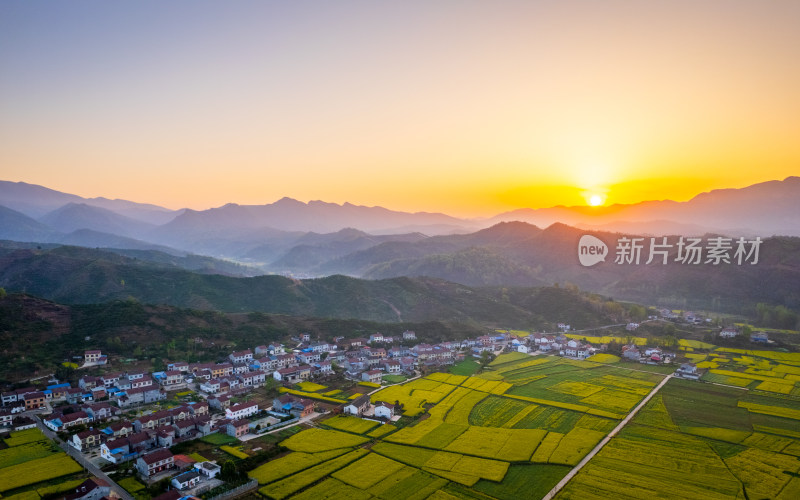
(649, 355)
(682, 316)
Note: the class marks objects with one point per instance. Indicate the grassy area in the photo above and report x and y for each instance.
(394, 379)
(219, 439)
(131, 484)
(467, 367)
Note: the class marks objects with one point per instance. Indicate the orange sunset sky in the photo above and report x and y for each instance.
(464, 107)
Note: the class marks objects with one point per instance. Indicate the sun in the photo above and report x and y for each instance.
(595, 200)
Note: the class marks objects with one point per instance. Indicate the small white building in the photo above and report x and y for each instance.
(384, 410)
(357, 406)
(208, 469)
(186, 480)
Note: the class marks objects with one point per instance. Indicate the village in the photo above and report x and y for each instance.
(131, 420)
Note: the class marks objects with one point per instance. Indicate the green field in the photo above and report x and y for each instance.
(467, 367)
(519, 425)
(517, 428)
(37, 470)
(34, 466)
(219, 439)
(698, 440)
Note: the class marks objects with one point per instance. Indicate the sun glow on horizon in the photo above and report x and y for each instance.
(595, 200)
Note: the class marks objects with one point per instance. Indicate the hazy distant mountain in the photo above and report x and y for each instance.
(291, 215)
(649, 228)
(313, 249)
(36, 201)
(765, 209)
(75, 216)
(319, 239)
(19, 227)
(96, 239)
(374, 261)
(519, 254)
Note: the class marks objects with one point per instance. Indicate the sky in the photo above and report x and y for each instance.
(465, 107)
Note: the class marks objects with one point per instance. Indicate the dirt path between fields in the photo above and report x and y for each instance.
(552, 493)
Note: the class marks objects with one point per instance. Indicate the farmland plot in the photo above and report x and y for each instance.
(289, 485)
(34, 471)
(368, 471)
(626, 468)
(290, 464)
(316, 440)
(350, 424)
(496, 411)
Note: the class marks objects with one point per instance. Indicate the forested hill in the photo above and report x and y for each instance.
(72, 275)
(39, 335)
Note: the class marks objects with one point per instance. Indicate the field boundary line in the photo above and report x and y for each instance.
(558, 487)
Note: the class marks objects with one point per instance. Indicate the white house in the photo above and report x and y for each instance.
(242, 410)
(208, 469)
(409, 335)
(357, 406)
(373, 376)
(384, 410)
(211, 387)
(186, 480)
(241, 356)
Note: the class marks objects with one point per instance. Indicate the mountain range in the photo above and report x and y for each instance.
(524, 248)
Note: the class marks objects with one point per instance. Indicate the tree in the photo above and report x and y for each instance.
(228, 471)
(3, 293)
(486, 358)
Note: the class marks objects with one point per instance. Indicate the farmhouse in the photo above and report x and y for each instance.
(287, 403)
(85, 440)
(186, 480)
(373, 376)
(237, 428)
(384, 410)
(34, 400)
(357, 406)
(242, 410)
(688, 370)
(93, 488)
(155, 462)
(729, 333)
(208, 469)
(241, 356)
